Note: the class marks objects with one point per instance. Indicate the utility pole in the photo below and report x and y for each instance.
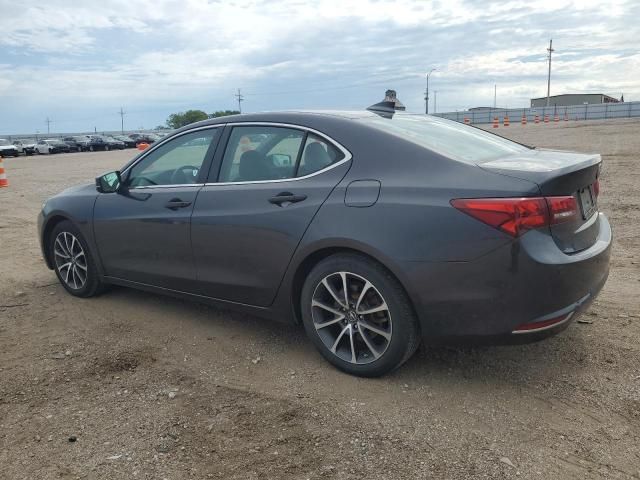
(48, 122)
(495, 94)
(240, 98)
(435, 98)
(122, 113)
(550, 50)
(426, 96)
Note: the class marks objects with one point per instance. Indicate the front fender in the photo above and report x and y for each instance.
(76, 205)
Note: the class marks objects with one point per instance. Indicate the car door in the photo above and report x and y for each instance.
(143, 230)
(265, 188)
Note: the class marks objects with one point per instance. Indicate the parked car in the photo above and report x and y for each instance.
(373, 230)
(25, 146)
(128, 141)
(144, 138)
(83, 141)
(97, 142)
(74, 144)
(51, 145)
(114, 143)
(7, 149)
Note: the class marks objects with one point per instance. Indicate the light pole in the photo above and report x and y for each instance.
(427, 92)
(435, 98)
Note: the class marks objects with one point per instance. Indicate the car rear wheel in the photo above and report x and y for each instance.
(73, 262)
(358, 315)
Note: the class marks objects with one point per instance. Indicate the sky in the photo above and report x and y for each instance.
(78, 62)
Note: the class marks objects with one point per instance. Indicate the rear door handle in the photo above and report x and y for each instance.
(176, 203)
(286, 197)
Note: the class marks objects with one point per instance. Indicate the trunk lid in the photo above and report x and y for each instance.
(560, 173)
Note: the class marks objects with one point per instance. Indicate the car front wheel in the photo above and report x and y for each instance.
(358, 315)
(73, 262)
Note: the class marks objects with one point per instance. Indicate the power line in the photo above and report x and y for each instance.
(240, 98)
(122, 113)
(550, 50)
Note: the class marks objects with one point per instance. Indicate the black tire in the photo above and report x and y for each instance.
(403, 325)
(93, 285)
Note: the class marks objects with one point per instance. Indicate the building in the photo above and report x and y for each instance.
(573, 99)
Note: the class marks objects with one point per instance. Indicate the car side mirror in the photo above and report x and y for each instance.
(109, 182)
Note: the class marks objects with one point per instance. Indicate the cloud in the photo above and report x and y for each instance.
(79, 62)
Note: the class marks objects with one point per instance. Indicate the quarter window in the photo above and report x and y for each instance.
(318, 154)
(177, 162)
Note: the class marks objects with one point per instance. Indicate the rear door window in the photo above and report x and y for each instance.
(259, 153)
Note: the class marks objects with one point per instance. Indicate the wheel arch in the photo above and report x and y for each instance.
(46, 236)
(313, 258)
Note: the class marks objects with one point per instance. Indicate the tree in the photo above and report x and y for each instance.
(223, 113)
(177, 120)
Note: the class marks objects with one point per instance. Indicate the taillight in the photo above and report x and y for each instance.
(562, 209)
(596, 187)
(515, 216)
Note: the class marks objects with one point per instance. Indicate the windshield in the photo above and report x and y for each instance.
(446, 137)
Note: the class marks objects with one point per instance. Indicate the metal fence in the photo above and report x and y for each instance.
(573, 112)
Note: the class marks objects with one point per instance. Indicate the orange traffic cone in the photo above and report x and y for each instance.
(506, 120)
(536, 119)
(556, 118)
(3, 176)
(143, 146)
(546, 119)
(524, 119)
(496, 122)
(467, 121)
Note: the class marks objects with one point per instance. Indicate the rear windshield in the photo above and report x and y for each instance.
(446, 137)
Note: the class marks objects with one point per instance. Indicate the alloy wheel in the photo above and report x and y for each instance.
(351, 317)
(70, 259)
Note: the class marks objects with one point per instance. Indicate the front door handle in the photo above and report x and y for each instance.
(286, 197)
(176, 203)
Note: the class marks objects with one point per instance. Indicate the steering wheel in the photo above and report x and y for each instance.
(185, 175)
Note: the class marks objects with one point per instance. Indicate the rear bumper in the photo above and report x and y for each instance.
(527, 281)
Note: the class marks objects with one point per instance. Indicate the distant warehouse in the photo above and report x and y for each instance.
(573, 99)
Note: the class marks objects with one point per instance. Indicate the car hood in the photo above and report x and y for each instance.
(7, 147)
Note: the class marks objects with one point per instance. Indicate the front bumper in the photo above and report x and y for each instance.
(526, 281)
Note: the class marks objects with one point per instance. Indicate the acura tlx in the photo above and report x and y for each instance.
(375, 230)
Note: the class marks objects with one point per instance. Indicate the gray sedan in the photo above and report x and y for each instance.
(373, 230)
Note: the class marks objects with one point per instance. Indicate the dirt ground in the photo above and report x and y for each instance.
(152, 387)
